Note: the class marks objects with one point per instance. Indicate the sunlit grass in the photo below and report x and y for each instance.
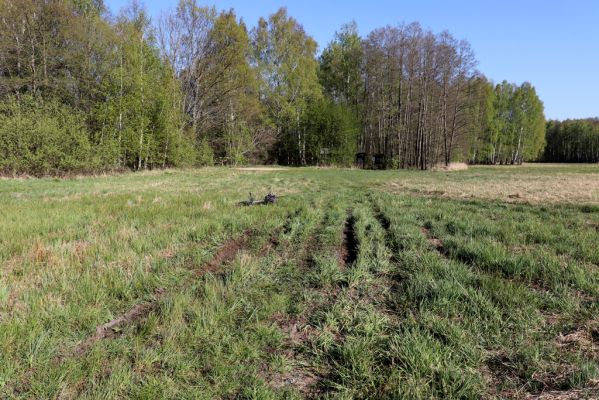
(442, 297)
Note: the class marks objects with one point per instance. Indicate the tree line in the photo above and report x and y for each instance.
(511, 125)
(573, 141)
(82, 90)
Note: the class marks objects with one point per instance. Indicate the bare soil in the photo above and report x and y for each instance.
(435, 242)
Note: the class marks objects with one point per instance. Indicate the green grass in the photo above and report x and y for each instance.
(357, 284)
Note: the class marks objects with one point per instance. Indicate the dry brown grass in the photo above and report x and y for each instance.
(521, 184)
(451, 167)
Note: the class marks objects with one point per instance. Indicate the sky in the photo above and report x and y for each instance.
(554, 44)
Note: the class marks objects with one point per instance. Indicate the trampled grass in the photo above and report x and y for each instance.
(356, 284)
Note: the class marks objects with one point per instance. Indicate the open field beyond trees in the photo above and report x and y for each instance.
(480, 283)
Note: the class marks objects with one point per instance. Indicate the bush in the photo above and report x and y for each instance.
(204, 154)
(331, 133)
(42, 138)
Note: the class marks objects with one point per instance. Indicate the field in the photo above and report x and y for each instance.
(481, 283)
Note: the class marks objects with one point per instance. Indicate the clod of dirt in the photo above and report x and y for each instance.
(110, 328)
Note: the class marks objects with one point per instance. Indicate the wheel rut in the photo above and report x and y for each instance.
(224, 255)
(348, 252)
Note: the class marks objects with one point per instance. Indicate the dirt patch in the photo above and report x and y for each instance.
(111, 328)
(272, 243)
(168, 253)
(580, 338)
(585, 339)
(296, 329)
(301, 376)
(304, 381)
(502, 369)
(348, 253)
(573, 394)
(451, 167)
(435, 242)
(226, 253)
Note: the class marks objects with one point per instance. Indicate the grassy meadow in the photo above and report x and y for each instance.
(482, 283)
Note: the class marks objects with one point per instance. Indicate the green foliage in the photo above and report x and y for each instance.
(153, 96)
(238, 142)
(572, 141)
(512, 126)
(204, 154)
(530, 118)
(340, 66)
(331, 133)
(109, 74)
(43, 137)
(480, 146)
(140, 116)
(225, 95)
(285, 59)
(181, 151)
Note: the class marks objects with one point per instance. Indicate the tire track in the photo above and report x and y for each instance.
(305, 376)
(225, 254)
(348, 251)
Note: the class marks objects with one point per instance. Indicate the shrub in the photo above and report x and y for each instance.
(42, 138)
(204, 154)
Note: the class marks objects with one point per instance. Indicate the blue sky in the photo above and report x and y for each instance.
(553, 44)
